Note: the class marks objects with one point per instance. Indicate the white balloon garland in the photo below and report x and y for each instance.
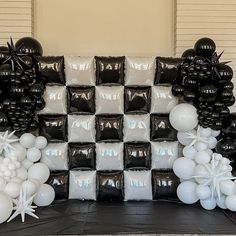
(22, 176)
(204, 175)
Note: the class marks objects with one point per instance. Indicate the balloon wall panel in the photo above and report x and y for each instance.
(107, 122)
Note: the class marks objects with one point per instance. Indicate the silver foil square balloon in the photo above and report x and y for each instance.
(109, 156)
(55, 99)
(109, 99)
(138, 185)
(164, 154)
(82, 185)
(140, 70)
(136, 128)
(55, 156)
(79, 70)
(162, 100)
(81, 128)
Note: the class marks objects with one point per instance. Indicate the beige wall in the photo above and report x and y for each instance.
(105, 27)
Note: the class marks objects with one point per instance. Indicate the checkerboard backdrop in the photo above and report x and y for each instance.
(106, 119)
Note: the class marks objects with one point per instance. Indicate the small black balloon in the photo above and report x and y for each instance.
(189, 96)
(208, 92)
(33, 125)
(16, 91)
(225, 73)
(205, 47)
(40, 104)
(199, 60)
(228, 85)
(230, 126)
(226, 147)
(189, 54)
(36, 90)
(190, 82)
(5, 73)
(226, 94)
(27, 102)
(230, 101)
(4, 51)
(177, 90)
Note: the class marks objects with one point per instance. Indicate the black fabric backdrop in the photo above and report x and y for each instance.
(76, 217)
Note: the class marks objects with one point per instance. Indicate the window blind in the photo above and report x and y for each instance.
(208, 18)
(15, 19)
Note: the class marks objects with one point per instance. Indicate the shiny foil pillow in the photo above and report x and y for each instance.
(55, 156)
(55, 99)
(109, 99)
(164, 154)
(140, 70)
(79, 70)
(162, 100)
(136, 128)
(81, 128)
(109, 156)
(138, 185)
(82, 185)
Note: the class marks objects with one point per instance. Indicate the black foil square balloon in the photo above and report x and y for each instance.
(81, 100)
(82, 155)
(161, 129)
(167, 69)
(110, 185)
(60, 182)
(53, 127)
(52, 69)
(110, 70)
(137, 155)
(109, 128)
(164, 184)
(137, 100)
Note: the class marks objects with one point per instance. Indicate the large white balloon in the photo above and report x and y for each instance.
(39, 171)
(184, 167)
(208, 204)
(45, 195)
(202, 157)
(186, 192)
(205, 132)
(6, 207)
(228, 187)
(33, 154)
(203, 192)
(189, 152)
(183, 117)
(27, 140)
(40, 142)
(230, 202)
(13, 189)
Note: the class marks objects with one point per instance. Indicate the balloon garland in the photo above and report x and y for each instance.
(206, 83)
(21, 87)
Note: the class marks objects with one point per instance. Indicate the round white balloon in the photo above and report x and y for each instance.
(212, 141)
(183, 137)
(39, 171)
(6, 207)
(208, 204)
(227, 187)
(189, 152)
(221, 202)
(13, 189)
(215, 133)
(27, 164)
(21, 173)
(40, 142)
(30, 187)
(183, 117)
(27, 140)
(202, 157)
(186, 192)
(205, 132)
(45, 195)
(2, 184)
(203, 192)
(201, 146)
(33, 154)
(230, 202)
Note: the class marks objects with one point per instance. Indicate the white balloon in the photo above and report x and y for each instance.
(13, 189)
(30, 187)
(208, 204)
(183, 117)
(202, 157)
(33, 154)
(45, 195)
(201, 146)
(2, 184)
(209, 151)
(221, 202)
(186, 192)
(17, 180)
(203, 192)
(27, 164)
(6, 207)
(27, 140)
(40, 142)
(189, 152)
(21, 173)
(39, 171)
(184, 167)
(227, 187)
(36, 182)
(212, 142)
(200, 170)
(215, 133)
(183, 137)
(230, 202)
(205, 132)
(19, 151)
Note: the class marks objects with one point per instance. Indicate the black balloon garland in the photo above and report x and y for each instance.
(21, 87)
(206, 83)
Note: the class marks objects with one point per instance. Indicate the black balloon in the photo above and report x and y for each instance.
(230, 127)
(110, 70)
(208, 92)
(137, 155)
(224, 73)
(4, 124)
(165, 184)
(177, 90)
(40, 104)
(36, 90)
(4, 51)
(137, 99)
(205, 47)
(109, 128)
(82, 155)
(81, 100)
(189, 54)
(189, 96)
(27, 102)
(28, 45)
(32, 125)
(60, 183)
(110, 185)
(226, 147)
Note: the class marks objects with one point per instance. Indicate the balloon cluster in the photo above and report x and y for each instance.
(206, 83)
(22, 177)
(21, 87)
(204, 175)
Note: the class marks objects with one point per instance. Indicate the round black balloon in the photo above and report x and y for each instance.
(225, 73)
(226, 147)
(4, 124)
(230, 126)
(40, 104)
(199, 60)
(230, 101)
(4, 51)
(189, 96)
(5, 73)
(177, 90)
(228, 85)
(36, 90)
(29, 45)
(205, 47)
(189, 54)
(208, 92)
(27, 102)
